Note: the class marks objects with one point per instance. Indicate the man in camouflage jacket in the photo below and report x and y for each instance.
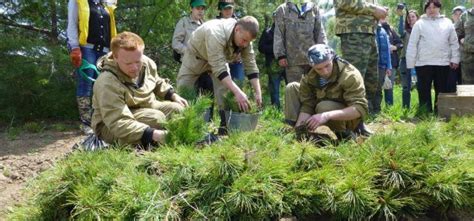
(356, 22)
(331, 94)
(465, 32)
(131, 101)
(296, 29)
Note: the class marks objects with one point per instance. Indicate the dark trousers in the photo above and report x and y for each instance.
(454, 78)
(428, 75)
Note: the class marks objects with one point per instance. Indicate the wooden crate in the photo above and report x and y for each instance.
(465, 90)
(452, 104)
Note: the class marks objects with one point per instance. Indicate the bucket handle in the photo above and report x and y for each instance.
(84, 66)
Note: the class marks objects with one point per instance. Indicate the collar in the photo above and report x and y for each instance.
(308, 7)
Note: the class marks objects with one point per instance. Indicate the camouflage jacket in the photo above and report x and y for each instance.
(296, 31)
(115, 95)
(213, 42)
(345, 85)
(182, 32)
(355, 16)
(465, 29)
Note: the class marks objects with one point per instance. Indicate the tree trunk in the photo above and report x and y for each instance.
(53, 36)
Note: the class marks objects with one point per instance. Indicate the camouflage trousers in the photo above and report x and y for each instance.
(295, 73)
(467, 68)
(84, 105)
(360, 49)
(293, 106)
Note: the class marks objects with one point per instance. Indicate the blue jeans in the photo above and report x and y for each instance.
(274, 81)
(84, 86)
(237, 72)
(387, 94)
(405, 78)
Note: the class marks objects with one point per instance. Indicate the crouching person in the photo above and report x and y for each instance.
(332, 93)
(131, 101)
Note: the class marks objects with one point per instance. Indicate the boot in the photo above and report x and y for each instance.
(85, 114)
(362, 130)
(222, 130)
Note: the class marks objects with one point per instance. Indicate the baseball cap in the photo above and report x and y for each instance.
(196, 3)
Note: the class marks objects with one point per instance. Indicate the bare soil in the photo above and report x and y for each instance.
(27, 155)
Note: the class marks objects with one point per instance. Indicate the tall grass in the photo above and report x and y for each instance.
(406, 171)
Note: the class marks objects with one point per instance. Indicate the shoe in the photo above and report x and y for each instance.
(362, 130)
(222, 131)
(208, 139)
(346, 135)
(86, 129)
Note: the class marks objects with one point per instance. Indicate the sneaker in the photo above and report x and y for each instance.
(86, 129)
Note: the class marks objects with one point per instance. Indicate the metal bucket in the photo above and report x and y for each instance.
(241, 121)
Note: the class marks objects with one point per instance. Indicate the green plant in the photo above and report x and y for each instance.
(230, 103)
(13, 132)
(33, 127)
(189, 126)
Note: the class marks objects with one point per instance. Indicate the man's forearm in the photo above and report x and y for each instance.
(348, 113)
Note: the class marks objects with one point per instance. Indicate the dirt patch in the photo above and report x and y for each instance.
(24, 157)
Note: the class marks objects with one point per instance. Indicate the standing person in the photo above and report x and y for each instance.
(182, 33)
(90, 27)
(355, 24)
(187, 25)
(395, 45)
(465, 31)
(455, 77)
(406, 74)
(131, 101)
(211, 47)
(384, 68)
(433, 49)
(265, 46)
(226, 10)
(401, 23)
(297, 27)
(332, 93)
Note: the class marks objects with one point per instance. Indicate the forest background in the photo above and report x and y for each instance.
(36, 76)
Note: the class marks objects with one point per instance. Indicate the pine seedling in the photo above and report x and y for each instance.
(188, 127)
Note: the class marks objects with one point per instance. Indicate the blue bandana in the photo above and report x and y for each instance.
(319, 53)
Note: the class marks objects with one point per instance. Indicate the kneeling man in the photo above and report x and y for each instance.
(131, 101)
(332, 93)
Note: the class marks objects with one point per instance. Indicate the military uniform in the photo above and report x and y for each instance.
(356, 25)
(465, 29)
(127, 111)
(296, 30)
(345, 88)
(210, 48)
(182, 32)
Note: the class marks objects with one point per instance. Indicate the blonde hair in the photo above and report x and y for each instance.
(128, 41)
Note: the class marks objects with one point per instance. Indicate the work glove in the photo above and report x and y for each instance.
(76, 57)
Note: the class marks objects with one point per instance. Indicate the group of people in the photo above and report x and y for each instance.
(130, 101)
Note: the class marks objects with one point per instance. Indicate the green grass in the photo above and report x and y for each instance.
(404, 170)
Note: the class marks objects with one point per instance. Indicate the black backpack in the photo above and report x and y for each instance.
(265, 44)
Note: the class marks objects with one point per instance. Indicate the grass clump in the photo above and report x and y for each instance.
(404, 172)
(189, 126)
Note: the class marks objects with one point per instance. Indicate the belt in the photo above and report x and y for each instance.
(99, 48)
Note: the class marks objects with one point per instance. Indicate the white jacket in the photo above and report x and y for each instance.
(433, 41)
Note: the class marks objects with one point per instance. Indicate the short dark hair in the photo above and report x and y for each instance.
(250, 24)
(436, 3)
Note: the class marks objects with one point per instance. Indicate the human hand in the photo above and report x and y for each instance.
(242, 101)
(388, 72)
(283, 63)
(76, 57)
(178, 99)
(453, 66)
(317, 120)
(258, 100)
(380, 12)
(393, 48)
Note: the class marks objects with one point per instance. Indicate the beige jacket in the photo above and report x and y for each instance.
(115, 95)
(213, 42)
(182, 33)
